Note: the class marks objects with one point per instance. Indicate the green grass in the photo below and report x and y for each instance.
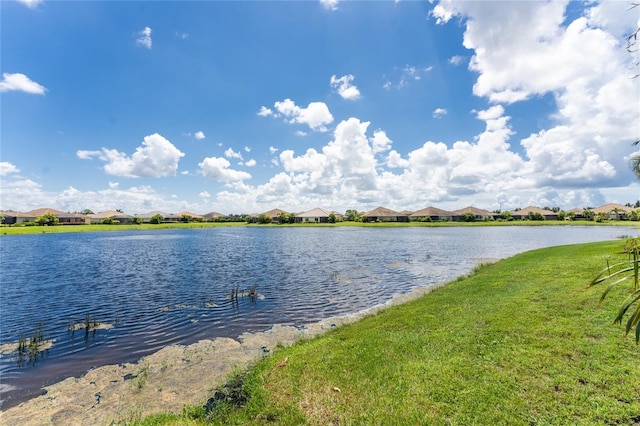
(24, 230)
(520, 342)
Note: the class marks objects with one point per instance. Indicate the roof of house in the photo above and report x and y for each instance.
(109, 213)
(186, 213)
(274, 212)
(473, 210)
(10, 213)
(151, 214)
(610, 207)
(317, 212)
(532, 209)
(382, 212)
(212, 215)
(43, 211)
(576, 210)
(431, 211)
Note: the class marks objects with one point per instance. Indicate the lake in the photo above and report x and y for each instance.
(150, 289)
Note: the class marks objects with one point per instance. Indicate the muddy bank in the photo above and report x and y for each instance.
(165, 380)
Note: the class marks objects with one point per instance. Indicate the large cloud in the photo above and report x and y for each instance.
(157, 157)
(218, 168)
(316, 115)
(7, 168)
(20, 82)
(527, 49)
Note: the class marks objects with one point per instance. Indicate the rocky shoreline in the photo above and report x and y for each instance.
(166, 380)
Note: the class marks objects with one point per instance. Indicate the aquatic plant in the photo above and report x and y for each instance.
(28, 350)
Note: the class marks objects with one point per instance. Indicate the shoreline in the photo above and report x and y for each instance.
(9, 231)
(170, 378)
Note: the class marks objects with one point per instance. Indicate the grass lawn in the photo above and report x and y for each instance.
(23, 230)
(520, 342)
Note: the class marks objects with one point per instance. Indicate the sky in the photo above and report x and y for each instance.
(243, 107)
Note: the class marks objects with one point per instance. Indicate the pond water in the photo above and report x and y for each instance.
(163, 287)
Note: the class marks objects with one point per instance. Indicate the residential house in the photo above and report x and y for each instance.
(64, 218)
(613, 211)
(274, 214)
(212, 216)
(318, 215)
(123, 218)
(436, 215)
(146, 217)
(523, 214)
(9, 217)
(194, 216)
(478, 214)
(578, 213)
(383, 214)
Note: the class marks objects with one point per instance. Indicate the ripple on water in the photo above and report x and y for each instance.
(165, 287)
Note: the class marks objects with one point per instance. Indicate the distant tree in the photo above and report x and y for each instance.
(635, 162)
(332, 218)
(264, 219)
(561, 215)
(617, 212)
(506, 216)
(186, 218)
(110, 221)
(534, 216)
(87, 211)
(47, 219)
(284, 217)
(136, 220)
(119, 210)
(156, 219)
(426, 219)
(469, 217)
(600, 217)
(588, 213)
(352, 215)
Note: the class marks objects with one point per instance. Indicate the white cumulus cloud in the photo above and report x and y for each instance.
(344, 87)
(144, 38)
(230, 153)
(157, 157)
(31, 4)
(20, 82)
(7, 168)
(439, 112)
(199, 135)
(217, 168)
(330, 4)
(316, 115)
(265, 112)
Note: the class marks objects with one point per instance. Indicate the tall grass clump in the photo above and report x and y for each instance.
(619, 273)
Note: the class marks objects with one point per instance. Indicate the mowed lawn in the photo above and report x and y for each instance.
(520, 342)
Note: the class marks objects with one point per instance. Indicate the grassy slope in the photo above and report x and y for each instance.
(522, 341)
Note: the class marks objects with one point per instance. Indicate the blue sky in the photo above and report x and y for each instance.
(241, 107)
